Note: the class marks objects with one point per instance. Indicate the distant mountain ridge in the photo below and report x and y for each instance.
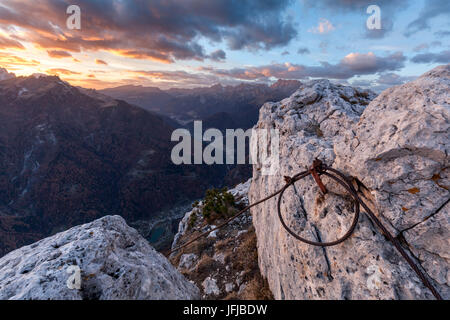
(241, 103)
(70, 155)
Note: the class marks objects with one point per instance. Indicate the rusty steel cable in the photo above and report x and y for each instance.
(224, 223)
(317, 169)
(315, 173)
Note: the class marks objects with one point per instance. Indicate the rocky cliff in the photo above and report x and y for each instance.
(396, 148)
(224, 265)
(114, 261)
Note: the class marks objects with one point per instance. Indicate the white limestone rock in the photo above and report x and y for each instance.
(330, 122)
(399, 149)
(114, 260)
(210, 286)
(188, 261)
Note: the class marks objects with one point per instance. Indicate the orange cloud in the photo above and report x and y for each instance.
(8, 60)
(98, 61)
(324, 26)
(58, 71)
(98, 84)
(7, 43)
(58, 54)
(135, 54)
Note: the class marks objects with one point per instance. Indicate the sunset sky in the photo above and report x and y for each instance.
(188, 43)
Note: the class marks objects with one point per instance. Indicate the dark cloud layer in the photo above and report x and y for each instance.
(351, 66)
(354, 5)
(303, 50)
(432, 9)
(392, 79)
(354, 64)
(218, 55)
(389, 10)
(441, 57)
(163, 30)
(442, 33)
(384, 81)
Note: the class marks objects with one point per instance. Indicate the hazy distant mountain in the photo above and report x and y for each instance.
(150, 98)
(241, 103)
(70, 155)
(220, 120)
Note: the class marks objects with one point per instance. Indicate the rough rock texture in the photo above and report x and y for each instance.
(115, 263)
(397, 151)
(224, 264)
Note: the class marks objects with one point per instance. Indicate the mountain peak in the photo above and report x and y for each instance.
(281, 83)
(35, 86)
(38, 75)
(5, 75)
(217, 86)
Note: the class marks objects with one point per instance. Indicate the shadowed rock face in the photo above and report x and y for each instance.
(69, 156)
(115, 263)
(397, 150)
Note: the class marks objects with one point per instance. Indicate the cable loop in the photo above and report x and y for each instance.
(317, 169)
(348, 187)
